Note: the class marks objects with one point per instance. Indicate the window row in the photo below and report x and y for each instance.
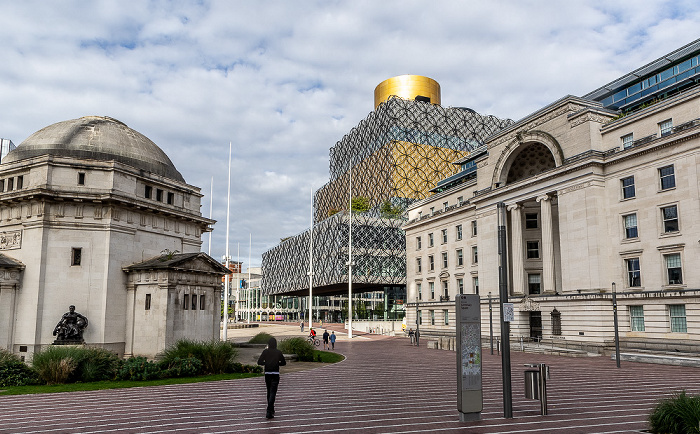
(676, 316)
(667, 181)
(444, 236)
(159, 195)
(669, 222)
(672, 264)
(444, 289)
(459, 259)
(431, 317)
(190, 301)
(13, 183)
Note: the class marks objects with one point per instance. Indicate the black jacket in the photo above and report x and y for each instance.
(272, 358)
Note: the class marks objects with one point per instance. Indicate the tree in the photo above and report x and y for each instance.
(360, 204)
(390, 211)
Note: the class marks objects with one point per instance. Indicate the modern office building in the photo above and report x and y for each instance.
(391, 159)
(94, 214)
(601, 196)
(6, 146)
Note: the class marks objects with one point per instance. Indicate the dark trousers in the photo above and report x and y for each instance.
(271, 382)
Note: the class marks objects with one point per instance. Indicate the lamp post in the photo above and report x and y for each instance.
(617, 334)
(490, 324)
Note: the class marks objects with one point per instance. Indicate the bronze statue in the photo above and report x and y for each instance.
(70, 328)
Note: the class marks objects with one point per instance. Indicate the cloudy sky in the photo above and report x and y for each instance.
(284, 80)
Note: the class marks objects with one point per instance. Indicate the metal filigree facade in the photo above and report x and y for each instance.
(396, 155)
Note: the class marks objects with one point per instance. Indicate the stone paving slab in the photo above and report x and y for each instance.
(385, 385)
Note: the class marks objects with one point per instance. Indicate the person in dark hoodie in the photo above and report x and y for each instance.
(272, 359)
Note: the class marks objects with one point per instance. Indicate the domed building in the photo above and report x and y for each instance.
(94, 214)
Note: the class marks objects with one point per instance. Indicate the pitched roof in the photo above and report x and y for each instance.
(179, 261)
(8, 262)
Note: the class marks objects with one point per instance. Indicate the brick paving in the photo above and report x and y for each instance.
(384, 386)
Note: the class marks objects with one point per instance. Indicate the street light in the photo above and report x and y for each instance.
(617, 334)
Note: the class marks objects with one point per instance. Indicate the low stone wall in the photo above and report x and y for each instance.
(389, 328)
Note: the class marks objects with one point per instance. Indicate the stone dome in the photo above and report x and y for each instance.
(97, 138)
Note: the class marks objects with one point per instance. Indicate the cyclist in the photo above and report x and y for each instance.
(312, 334)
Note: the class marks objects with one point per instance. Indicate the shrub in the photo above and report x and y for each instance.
(678, 414)
(139, 369)
(214, 355)
(97, 364)
(299, 346)
(187, 367)
(13, 372)
(260, 338)
(81, 364)
(235, 368)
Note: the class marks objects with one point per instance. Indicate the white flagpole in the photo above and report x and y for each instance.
(238, 284)
(247, 298)
(350, 261)
(228, 256)
(311, 260)
(211, 205)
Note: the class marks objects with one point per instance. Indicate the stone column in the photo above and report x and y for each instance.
(516, 223)
(130, 318)
(548, 282)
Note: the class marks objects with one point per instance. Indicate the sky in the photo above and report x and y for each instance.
(283, 81)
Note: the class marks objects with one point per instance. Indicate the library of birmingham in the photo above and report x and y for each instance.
(601, 192)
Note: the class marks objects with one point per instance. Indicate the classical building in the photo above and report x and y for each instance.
(391, 159)
(601, 195)
(94, 214)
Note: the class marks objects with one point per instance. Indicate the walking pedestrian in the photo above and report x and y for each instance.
(325, 340)
(332, 340)
(272, 359)
(411, 335)
(301, 326)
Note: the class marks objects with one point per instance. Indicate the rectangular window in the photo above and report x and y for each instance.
(2, 185)
(637, 318)
(634, 275)
(444, 236)
(444, 206)
(194, 302)
(186, 302)
(444, 259)
(531, 221)
(431, 241)
(473, 228)
(678, 321)
(10, 184)
(627, 140)
(628, 187)
(171, 198)
(81, 178)
(459, 232)
(420, 317)
(533, 249)
(475, 285)
(432, 210)
(460, 200)
(667, 177)
(419, 289)
(445, 289)
(148, 302)
(446, 315)
(460, 285)
(20, 182)
(202, 304)
(666, 127)
(159, 195)
(431, 286)
(630, 226)
(669, 215)
(418, 265)
(534, 283)
(432, 317)
(418, 243)
(148, 191)
(556, 322)
(76, 256)
(431, 263)
(475, 255)
(673, 269)
(460, 258)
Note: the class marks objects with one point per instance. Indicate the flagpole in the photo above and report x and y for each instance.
(311, 260)
(228, 256)
(247, 298)
(350, 260)
(211, 204)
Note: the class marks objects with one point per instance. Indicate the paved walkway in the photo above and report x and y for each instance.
(384, 386)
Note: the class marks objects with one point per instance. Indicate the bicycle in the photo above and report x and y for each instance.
(313, 341)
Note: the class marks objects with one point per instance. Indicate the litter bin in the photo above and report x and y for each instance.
(532, 383)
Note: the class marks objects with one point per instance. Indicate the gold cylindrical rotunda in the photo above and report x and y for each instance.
(415, 87)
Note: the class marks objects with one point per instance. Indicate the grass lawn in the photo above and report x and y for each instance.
(99, 385)
(327, 357)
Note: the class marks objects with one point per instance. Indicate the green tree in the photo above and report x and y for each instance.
(360, 204)
(390, 211)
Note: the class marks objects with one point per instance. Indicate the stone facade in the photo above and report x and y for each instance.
(75, 214)
(586, 207)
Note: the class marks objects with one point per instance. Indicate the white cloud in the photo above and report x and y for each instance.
(285, 80)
